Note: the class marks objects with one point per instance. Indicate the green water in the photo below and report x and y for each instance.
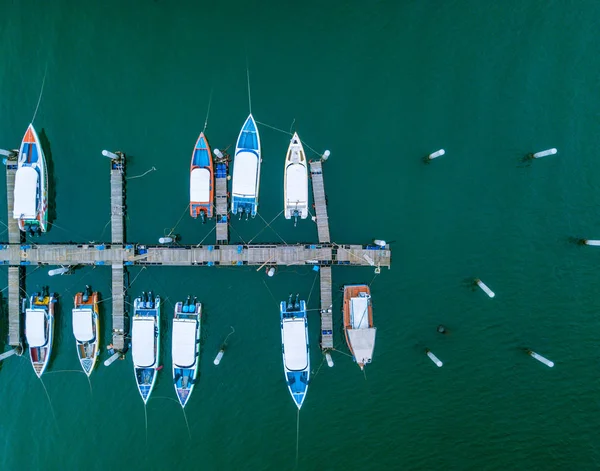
(380, 85)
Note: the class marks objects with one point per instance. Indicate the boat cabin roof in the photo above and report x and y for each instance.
(143, 342)
(363, 343)
(184, 342)
(26, 185)
(83, 325)
(359, 312)
(200, 185)
(297, 184)
(245, 171)
(35, 327)
(295, 352)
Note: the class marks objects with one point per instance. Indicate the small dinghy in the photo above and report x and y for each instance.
(358, 323)
(295, 185)
(86, 328)
(186, 347)
(39, 329)
(295, 348)
(246, 171)
(145, 342)
(201, 180)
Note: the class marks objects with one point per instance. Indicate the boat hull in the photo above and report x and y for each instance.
(201, 180)
(185, 376)
(146, 350)
(295, 351)
(89, 351)
(295, 181)
(246, 170)
(40, 355)
(350, 292)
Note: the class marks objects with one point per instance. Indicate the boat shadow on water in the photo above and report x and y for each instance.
(45, 143)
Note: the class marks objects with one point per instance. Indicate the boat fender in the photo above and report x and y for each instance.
(219, 357)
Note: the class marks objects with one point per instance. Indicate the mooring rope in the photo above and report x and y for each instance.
(153, 169)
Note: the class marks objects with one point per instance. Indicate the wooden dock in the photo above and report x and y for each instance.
(117, 199)
(326, 309)
(118, 308)
(14, 306)
(222, 202)
(318, 186)
(14, 234)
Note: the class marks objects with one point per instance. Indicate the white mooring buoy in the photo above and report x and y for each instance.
(434, 359)
(219, 357)
(166, 240)
(544, 153)
(436, 154)
(485, 288)
(541, 359)
(379, 242)
(271, 271)
(112, 359)
(110, 155)
(592, 242)
(325, 155)
(58, 271)
(218, 153)
(329, 360)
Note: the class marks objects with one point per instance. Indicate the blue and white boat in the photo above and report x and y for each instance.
(145, 342)
(186, 347)
(295, 348)
(246, 171)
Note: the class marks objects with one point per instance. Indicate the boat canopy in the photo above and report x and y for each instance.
(184, 342)
(296, 184)
(83, 325)
(26, 187)
(359, 312)
(142, 342)
(295, 351)
(35, 327)
(245, 170)
(363, 343)
(200, 185)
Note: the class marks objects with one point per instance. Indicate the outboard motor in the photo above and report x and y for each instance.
(186, 305)
(143, 300)
(297, 303)
(150, 303)
(86, 294)
(193, 306)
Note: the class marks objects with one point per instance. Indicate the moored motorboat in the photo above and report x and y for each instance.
(201, 180)
(358, 323)
(39, 329)
(186, 347)
(295, 181)
(246, 171)
(145, 342)
(86, 329)
(295, 348)
(31, 185)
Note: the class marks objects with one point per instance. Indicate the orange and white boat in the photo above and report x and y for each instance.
(358, 323)
(86, 328)
(201, 180)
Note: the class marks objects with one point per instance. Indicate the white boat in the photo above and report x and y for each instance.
(39, 329)
(295, 348)
(145, 342)
(185, 349)
(31, 185)
(86, 329)
(295, 181)
(358, 323)
(246, 171)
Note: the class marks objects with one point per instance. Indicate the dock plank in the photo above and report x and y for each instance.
(318, 186)
(326, 309)
(14, 306)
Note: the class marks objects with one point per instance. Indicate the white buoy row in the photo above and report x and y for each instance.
(329, 360)
(110, 155)
(541, 359)
(436, 154)
(433, 358)
(544, 153)
(592, 242)
(112, 359)
(219, 357)
(485, 288)
(325, 155)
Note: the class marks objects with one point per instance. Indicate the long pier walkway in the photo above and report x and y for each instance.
(222, 203)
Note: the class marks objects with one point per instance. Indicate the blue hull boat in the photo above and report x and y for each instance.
(246, 171)
(145, 342)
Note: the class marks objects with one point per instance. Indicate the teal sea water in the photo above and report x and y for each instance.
(381, 85)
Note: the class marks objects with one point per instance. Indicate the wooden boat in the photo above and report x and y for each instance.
(86, 329)
(39, 329)
(246, 171)
(295, 181)
(295, 348)
(358, 323)
(31, 185)
(201, 180)
(185, 348)
(145, 342)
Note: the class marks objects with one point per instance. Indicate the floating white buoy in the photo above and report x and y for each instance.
(544, 153)
(379, 242)
(485, 289)
(541, 359)
(109, 154)
(165, 240)
(271, 271)
(219, 357)
(112, 359)
(434, 359)
(218, 153)
(58, 271)
(325, 155)
(329, 360)
(592, 242)
(10, 353)
(436, 154)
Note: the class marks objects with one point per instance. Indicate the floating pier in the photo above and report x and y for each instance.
(17, 255)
